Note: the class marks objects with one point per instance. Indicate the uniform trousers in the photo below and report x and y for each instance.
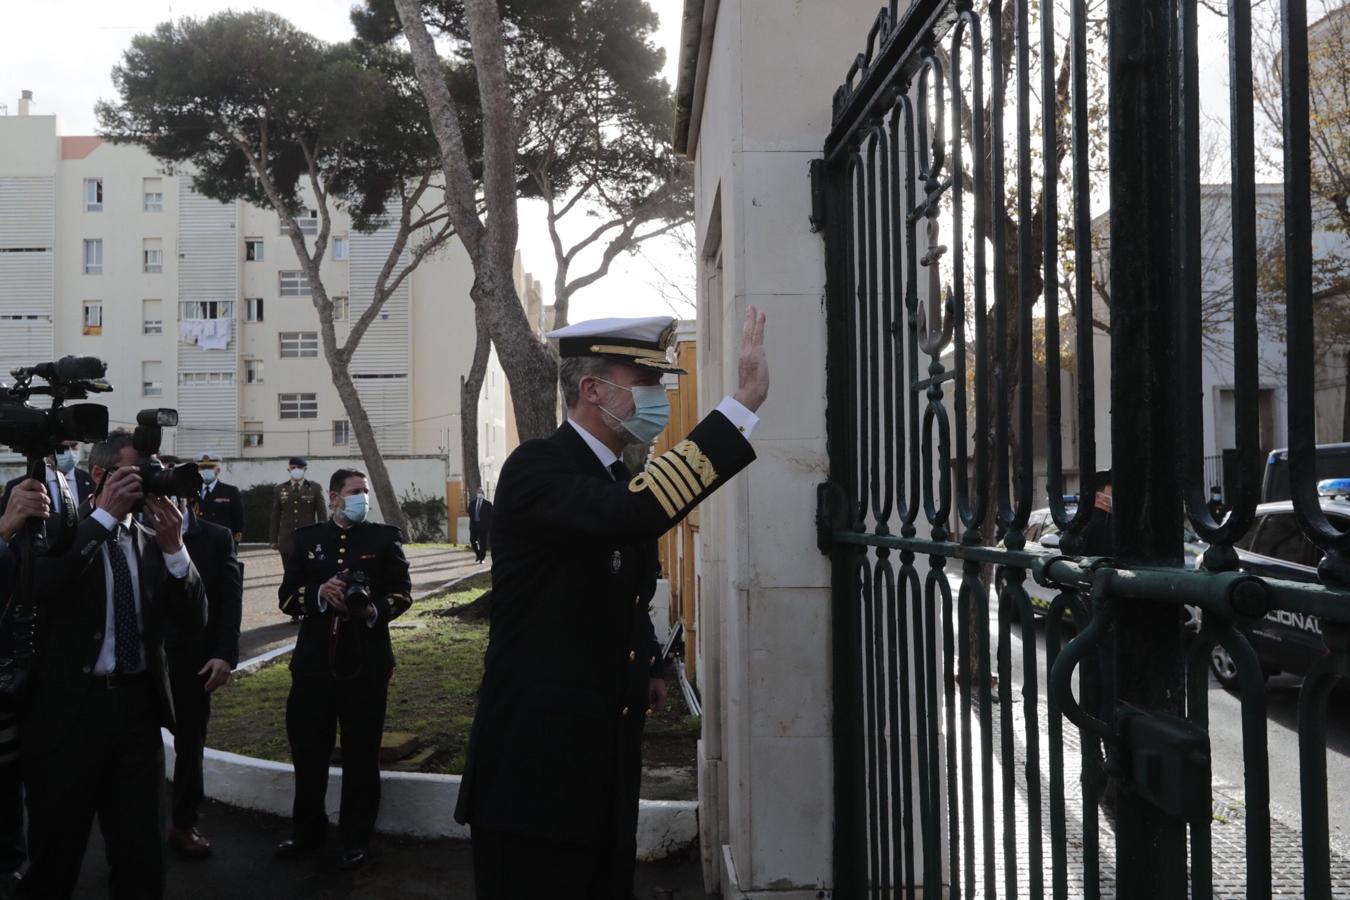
(98, 754)
(478, 540)
(192, 711)
(317, 706)
(516, 867)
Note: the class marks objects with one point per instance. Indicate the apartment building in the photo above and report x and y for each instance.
(203, 306)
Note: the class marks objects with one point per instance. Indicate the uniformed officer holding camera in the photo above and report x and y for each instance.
(347, 578)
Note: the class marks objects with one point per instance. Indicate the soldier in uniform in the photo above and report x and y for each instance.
(349, 579)
(551, 780)
(298, 502)
(220, 503)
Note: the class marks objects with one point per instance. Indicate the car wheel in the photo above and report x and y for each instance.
(1224, 666)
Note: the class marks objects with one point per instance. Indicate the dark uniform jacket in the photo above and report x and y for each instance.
(73, 599)
(224, 506)
(322, 551)
(212, 550)
(555, 749)
(295, 505)
(480, 516)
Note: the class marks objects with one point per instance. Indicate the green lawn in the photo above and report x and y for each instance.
(439, 666)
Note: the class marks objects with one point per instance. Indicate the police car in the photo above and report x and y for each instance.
(1274, 547)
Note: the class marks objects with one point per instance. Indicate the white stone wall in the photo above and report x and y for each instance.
(765, 759)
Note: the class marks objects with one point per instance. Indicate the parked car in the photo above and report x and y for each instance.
(1333, 461)
(1274, 547)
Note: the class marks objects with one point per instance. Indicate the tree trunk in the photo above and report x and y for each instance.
(383, 485)
(470, 388)
(530, 366)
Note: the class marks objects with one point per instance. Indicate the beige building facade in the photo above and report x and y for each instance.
(755, 85)
(203, 306)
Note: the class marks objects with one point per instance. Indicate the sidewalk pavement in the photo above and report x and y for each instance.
(243, 868)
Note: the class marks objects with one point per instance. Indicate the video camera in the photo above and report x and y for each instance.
(183, 480)
(36, 432)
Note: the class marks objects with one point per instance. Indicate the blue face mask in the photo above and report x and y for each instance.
(651, 411)
(355, 507)
(65, 461)
(208, 475)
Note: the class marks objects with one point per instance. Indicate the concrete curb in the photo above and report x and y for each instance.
(412, 804)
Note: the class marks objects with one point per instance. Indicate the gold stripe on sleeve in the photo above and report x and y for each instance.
(641, 482)
(698, 461)
(663, 466)
(680, 467)
(659, 478)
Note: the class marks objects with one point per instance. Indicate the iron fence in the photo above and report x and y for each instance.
(943, 785)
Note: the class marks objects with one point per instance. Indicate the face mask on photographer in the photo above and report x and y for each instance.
(65, 461)
(355, 507)
(651, 411)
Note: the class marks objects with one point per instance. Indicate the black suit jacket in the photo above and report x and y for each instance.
(481, 518)
(224, 506)
(73, 599)
(555, 750)
(84, 486)
(322, 551)
(212, 550)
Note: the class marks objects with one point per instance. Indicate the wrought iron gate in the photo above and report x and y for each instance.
(943, 783)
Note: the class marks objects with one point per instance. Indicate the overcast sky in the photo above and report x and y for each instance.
(64, 51)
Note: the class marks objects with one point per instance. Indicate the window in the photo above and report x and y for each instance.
(206, 309)
(1281, 538)
(340, 247)
(298, 406)
(294, 283)
(93, 195)
(253, 371)
(307, 219)
(152, 317)
(152, 194)
(93, 317)
(252, 434)
(342, 432)
(152, 384)
(93, 257)
(152, 255)
(206, 378)
(340, 308)
(253, 309)
(253, 249)
(298, 344)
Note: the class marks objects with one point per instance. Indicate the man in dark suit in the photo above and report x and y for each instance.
(555, 760)
(27, 500)
(91, 736)
(61, 464)
(220, 503)
(480, 525)
(342, 663)
(198, 664)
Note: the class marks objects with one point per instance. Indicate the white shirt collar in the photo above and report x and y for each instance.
(606, 456)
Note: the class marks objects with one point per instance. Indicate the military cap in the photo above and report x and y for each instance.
(643, 342)
(298, 462)
(207, 459)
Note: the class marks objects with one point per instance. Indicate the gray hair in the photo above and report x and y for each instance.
(574, 368)
(105, 453)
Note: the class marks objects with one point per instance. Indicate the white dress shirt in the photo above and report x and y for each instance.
(735, 411)
(177, 564)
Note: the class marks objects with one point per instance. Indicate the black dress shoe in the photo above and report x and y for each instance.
(353, 859)
(294, 849)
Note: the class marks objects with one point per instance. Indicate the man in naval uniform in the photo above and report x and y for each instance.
(219, 503)
(551, 779)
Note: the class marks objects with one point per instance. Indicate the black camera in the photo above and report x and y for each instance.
(183, 480)
(357, 594)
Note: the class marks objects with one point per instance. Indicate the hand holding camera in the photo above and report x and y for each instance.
(349, 593)
(167, 519)
(122, 492)
(28, 501)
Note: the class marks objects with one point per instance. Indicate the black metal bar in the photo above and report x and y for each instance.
(1059, 830)
(1026, 294)
(1312, 756)
(909, 580)
(1084, 355)
(1008, 747)
(1151, 845)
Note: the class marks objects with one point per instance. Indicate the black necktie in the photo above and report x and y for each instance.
(619, 471)
(127, 633)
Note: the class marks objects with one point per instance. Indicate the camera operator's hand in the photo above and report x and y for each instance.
(217, 672)
(167, 520)
(122, 490)
(28, 500)
(333, 591)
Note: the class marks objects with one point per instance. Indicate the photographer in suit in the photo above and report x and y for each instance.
(26, 499)
(349, 579)
(91, 737)
(198, 664)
